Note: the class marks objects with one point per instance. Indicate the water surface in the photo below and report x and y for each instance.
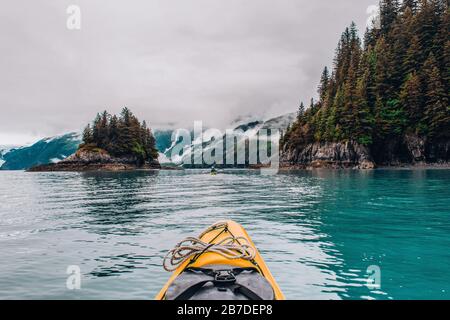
(318, 231)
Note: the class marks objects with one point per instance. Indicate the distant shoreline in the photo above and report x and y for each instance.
(127, 167)
(406, 166)
(98, 167)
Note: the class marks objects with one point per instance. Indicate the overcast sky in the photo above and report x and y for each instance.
(170, 61)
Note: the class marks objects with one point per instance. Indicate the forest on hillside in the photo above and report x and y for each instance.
(394, 82)
(121, 136)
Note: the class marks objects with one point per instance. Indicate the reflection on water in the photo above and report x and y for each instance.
(319, 231)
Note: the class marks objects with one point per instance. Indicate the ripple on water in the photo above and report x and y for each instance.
(318, 231)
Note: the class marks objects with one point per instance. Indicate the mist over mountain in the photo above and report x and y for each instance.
(44, 151)
(242, 133)
(55, 149)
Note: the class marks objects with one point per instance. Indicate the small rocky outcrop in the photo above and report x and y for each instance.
(96, 160)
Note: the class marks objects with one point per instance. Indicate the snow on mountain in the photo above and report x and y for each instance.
(57, 148)
(44, 151)
(242, 132)
(4, 149)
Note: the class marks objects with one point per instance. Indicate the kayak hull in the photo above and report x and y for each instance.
(211, 258)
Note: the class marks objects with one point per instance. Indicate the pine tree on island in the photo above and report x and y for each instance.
(121, 136)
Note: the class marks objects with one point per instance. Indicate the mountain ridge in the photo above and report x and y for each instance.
(57, 148)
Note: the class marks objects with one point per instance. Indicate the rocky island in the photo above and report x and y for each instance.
(111, 143)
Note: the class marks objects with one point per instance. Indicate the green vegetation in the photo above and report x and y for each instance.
(396, 82)
(122, 136)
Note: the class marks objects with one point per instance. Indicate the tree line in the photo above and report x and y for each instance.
(121, 136)
(394, 82)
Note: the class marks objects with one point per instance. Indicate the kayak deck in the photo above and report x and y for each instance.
(215, 235)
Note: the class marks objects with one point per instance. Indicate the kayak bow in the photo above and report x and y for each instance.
(217, 234)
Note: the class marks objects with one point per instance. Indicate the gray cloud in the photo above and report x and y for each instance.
(170, 61)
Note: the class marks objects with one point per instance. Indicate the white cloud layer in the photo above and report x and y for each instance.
(171, 62)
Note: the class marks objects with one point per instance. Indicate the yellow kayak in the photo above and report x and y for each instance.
(248, 273)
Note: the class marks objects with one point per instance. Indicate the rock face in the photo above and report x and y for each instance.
(438, 152)
(410, 150)
(99, 156)
(98, 160)
(329, 155)
(416, 148)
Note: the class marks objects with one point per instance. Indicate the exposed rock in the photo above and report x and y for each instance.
(409, 150)
(97, 156)
(96, 160)
(366, 165)
(438, 151)
(64, 166)
(329, 155)
(416, 148)
(392, 152)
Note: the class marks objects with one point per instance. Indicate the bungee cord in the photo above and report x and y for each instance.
(230, 248)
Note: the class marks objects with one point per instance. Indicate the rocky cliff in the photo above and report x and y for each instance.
(409, 150)
(329, 155)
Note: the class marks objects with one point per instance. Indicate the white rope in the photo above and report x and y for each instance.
(230, 248)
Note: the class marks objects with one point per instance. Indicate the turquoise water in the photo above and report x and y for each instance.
(319, 231)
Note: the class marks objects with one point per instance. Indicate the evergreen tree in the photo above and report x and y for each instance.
(95, 127)
(87, 135)
(389, 10)
(370, 38)
(412, 58)
(437, 109)
(442, 37)
(122, 136)
(301, 111)
(362, 114)
(428, 24)
(102, 130)
(324, 82)
(446, 67)
(113, 134)
(385, 70)
(125, 139)
(412, 101)
(398, 82)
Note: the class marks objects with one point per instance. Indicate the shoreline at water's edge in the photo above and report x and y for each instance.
(410, 166)
(106, 167)
(115, 167)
